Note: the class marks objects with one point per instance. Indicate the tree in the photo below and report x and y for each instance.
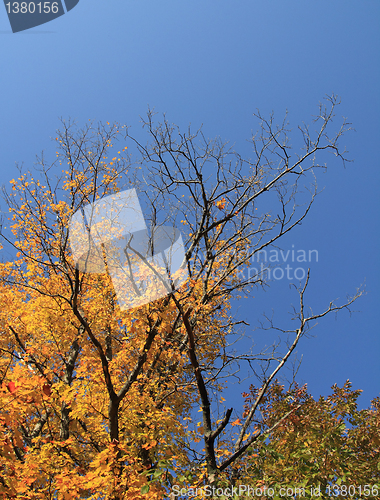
(326, 444)
(100, 402)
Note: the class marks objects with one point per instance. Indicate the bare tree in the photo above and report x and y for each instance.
(215, 191)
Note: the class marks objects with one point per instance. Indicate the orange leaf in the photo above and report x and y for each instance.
(221, 203)
(237, 422)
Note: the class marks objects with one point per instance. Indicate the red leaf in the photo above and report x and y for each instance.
(12, 387)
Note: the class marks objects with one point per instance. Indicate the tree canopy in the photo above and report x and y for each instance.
(98, 401)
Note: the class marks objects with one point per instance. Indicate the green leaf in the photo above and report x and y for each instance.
(145, 489)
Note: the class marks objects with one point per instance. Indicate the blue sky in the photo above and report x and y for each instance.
(213, 63)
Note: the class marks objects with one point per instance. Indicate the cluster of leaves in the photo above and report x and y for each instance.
(323, 442)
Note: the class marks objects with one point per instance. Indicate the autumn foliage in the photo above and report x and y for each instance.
(92, 397)
(324, 442)
(101, 403)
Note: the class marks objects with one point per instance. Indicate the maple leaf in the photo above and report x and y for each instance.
(12, 388)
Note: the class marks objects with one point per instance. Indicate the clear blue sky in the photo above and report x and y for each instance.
(215, 62)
